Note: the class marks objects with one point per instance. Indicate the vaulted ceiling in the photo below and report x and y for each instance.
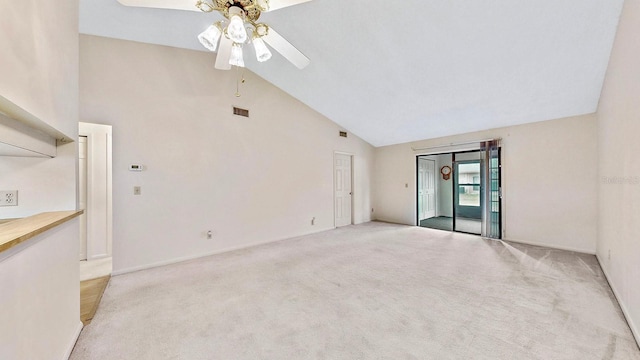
(399, 71)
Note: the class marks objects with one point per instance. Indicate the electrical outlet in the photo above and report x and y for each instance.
(209, 234)
(9, 198)
(137, 190)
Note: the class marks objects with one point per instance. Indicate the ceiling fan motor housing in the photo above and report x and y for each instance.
(249, 8)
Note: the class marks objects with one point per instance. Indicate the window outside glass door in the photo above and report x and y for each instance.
(468, 196)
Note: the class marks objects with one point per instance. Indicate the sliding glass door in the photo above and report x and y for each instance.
(467, 193)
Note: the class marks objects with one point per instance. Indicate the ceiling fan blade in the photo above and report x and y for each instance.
(224, 54)
(271, 5)
(162, 4)
(285, 48)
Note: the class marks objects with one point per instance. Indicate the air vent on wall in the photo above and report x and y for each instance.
(343, 133)
(240, 112)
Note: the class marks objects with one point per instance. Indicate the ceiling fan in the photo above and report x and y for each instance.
(240, 27)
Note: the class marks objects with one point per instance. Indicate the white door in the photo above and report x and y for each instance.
(426, 188)
(343, 191)
(422, 183)
(82, 196)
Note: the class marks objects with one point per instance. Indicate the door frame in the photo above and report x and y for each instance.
(99, 189)
(333, 176)
(83, 180)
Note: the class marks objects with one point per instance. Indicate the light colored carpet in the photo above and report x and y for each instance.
(372, 291)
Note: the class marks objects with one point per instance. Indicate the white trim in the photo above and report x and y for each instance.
(71, 345)
(551, 246)
(110, 193)
(454, 145)
(344, 153)
(634, 329)
(443, 152)
(216, 252)
(98, 158)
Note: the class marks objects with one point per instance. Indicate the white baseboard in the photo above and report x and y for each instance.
(553, 246)
(398, 223)
(625, 312)
(72, 344)
(198, 256)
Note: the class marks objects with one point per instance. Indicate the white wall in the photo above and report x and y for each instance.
(39, 62)
(39, 72)
(248, 180)
(395, 185)
(43, 184)
(619, 167)
(39, 294)
(549, 181)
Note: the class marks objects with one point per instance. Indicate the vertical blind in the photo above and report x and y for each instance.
(492, 207)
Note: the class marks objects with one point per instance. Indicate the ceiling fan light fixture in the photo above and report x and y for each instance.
(210, 37)
(236, 30)
(236, 56)
(262, 51)
(240, 26)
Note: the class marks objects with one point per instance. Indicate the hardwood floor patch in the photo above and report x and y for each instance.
(90, 294)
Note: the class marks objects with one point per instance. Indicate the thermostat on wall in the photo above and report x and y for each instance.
(136, 167)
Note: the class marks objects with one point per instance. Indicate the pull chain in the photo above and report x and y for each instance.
(239, 80)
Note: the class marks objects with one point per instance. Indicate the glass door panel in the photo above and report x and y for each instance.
(468, 196)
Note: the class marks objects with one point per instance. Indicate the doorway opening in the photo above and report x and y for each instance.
(95, 198)
(435, 196)
(463, 194)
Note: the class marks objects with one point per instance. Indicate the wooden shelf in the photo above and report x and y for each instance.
(18, 231)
